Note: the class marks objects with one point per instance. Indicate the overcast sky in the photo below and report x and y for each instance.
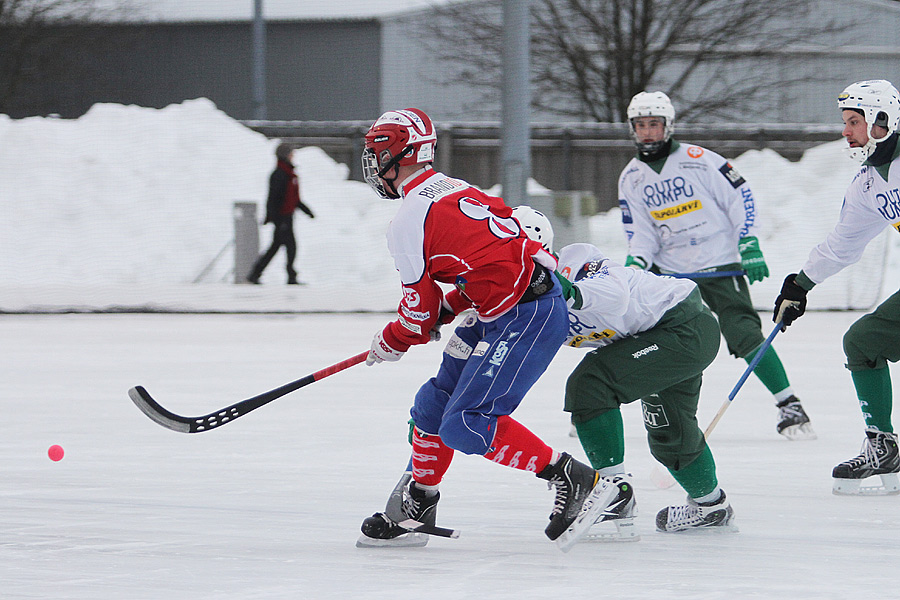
(274, 9)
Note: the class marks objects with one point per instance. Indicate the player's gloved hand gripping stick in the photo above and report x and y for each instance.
(170, 420)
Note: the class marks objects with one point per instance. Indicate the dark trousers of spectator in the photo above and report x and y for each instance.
(283, 236)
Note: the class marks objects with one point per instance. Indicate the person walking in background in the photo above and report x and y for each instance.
(284, 199)
(448, 232)
(686, 210)
(870, 111)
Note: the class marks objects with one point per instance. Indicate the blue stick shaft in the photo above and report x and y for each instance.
(702, 274)
(755, 361)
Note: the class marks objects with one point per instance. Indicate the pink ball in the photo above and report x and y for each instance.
(55, 453)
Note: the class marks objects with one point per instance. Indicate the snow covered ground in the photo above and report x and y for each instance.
(269, 506)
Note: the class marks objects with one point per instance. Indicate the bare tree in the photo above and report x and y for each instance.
(589, 57)
(34, 35)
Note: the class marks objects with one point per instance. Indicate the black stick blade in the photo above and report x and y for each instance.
(155, 411)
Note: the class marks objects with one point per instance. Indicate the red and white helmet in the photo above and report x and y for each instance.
(398, 137)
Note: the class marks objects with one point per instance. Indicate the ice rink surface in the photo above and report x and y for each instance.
(269, 506)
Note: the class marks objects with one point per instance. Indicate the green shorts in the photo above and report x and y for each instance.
(663, 367)
(729, 298)
(874, 339)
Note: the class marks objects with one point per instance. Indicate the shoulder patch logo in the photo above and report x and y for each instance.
(731, 174)
(627, 219)
(695, 151)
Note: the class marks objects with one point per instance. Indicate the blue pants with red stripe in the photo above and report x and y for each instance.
(487, 369)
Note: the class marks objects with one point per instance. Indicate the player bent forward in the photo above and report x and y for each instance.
(871, 115)
(653, 336)
(447, 231)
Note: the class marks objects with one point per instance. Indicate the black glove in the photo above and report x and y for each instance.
(791, 302)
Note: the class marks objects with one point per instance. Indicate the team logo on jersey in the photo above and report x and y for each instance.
(578, 340)
(626, 212)
(731, 174)
(890, 204)
(410, 296)
(896, 226)
(592, 269)
(654, 415)
(415, 315)
(460, 283)
(695, 151)
(676, 211)
(416, 329)
(667, 191)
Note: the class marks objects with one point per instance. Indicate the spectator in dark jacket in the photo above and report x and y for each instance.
(284, 199)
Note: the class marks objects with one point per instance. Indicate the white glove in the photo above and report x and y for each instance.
(381, 351)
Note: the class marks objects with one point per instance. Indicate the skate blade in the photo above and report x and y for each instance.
(890, 486)
(616, 531)
(597, 502)
(711, 530)
(798, 433)
(407, 540)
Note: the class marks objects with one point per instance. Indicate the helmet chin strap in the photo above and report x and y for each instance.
(390, 187)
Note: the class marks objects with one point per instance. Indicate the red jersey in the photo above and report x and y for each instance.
(450, 232)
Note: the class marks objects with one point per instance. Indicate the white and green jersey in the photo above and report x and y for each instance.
(610, 301)
(871, 203)
(687, 211)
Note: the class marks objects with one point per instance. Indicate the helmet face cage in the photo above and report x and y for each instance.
(651, 104)
(879, 103)
(397, 138)
(536, 225)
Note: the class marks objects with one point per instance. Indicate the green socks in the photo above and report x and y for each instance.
(698, 478)
(603, 439)
(770, 370)
(873, 389)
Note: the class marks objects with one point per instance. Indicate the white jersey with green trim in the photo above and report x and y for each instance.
(871, 203)
(690, 215)
(612, 301)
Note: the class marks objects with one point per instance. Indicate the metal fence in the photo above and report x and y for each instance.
(585, 157)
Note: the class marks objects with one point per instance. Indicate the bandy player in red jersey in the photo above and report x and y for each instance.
(449, 232)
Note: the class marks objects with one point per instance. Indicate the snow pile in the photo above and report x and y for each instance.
(126, 207)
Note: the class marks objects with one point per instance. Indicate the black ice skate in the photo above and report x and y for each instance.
(395, 527)
(694, 515)
(879, 456)
(793, 422)
(574, 482)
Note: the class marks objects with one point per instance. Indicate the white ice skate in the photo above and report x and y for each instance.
(610, 498)
(716, 515)
(616, 523)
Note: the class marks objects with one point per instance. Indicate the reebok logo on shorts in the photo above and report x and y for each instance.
(645, 351)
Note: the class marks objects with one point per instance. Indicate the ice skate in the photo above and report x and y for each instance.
(793, 422)
(879, 456)
(392, 527)
(695, 516)
(616, 522)
(574, 482)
